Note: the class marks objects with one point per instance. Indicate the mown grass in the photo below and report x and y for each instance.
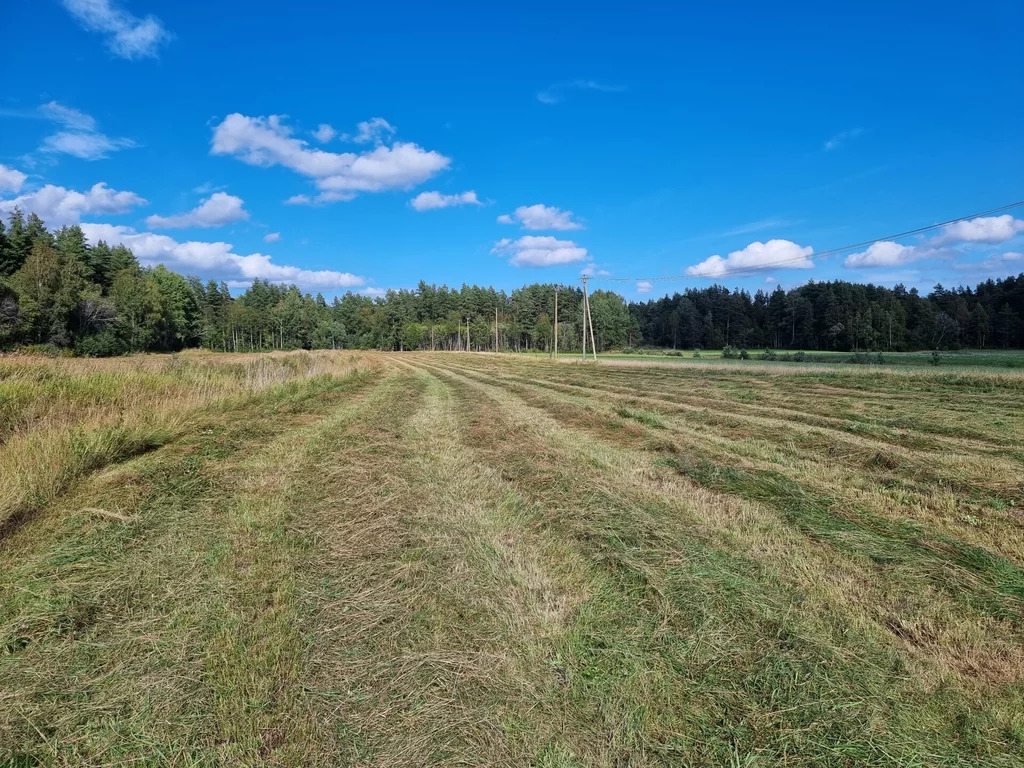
(452, 559)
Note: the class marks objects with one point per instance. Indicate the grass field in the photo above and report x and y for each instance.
(957, 358)
(328, 559)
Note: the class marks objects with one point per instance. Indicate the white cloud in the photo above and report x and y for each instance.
(11, 179)
(58, 206)
(644, 286)
(216, 260)
(555, 94)
(1000, 264)
(129, 36)
(757, 255)
(80, 136)
(886, 253)
(266, 141)
(69, 117)
(217, 210)
(375, 130)
(428, 201)
(592, 270)
(271, 237)
(841, 138)
(533, 251)
(324, 133)
(541, 216)
(986, 229)
(372, 292)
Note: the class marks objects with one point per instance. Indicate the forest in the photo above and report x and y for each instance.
(59, 293)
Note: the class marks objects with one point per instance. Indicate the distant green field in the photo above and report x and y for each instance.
(986, 358)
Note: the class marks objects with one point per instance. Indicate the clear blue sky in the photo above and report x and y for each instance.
(671, 134)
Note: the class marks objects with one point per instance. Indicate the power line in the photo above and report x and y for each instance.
(819, 255)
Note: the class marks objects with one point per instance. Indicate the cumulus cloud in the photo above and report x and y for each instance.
(756, 256)
(271, 237)
(216, 260)
(534, 251)
(428, 201)
(79, 135)
(11, 179)
(128, 36)
(886, 253)
(990, 230)
(592, 270)
(644, 286)
(555, 94)
(58, 206)
(266, 141)
(217, 210)
(541, 216)
(324, 133)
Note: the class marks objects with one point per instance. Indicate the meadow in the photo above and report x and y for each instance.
(407, 559)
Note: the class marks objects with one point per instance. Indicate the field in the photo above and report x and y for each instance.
(328, 559)
(959, 358)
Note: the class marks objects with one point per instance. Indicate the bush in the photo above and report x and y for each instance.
(768, 354)
(801, 357)
(730, 352)
(103, 344)
(936, 358)
(744, 355)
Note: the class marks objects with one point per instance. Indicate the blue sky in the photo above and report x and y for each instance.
(465, 143)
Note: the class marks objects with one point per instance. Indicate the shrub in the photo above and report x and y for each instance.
(768, 354)
(103, 344)
(936, 358)
(730, 352)
(744, 355)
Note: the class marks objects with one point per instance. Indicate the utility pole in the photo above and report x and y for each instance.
(584, 358)
(495, 327)
(588, 321)
(556, 322)
(467, 335)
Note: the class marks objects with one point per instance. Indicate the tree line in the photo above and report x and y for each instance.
(58, 291)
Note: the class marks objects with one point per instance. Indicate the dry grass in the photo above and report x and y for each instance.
(451, 559)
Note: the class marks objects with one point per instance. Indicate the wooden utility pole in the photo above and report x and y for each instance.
(588, 320)
(556, 322)
(495, 327)
(584, 358)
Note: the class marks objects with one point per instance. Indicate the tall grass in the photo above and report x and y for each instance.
(62, 418)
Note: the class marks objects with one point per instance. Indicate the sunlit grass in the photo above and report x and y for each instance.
(437, 559)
